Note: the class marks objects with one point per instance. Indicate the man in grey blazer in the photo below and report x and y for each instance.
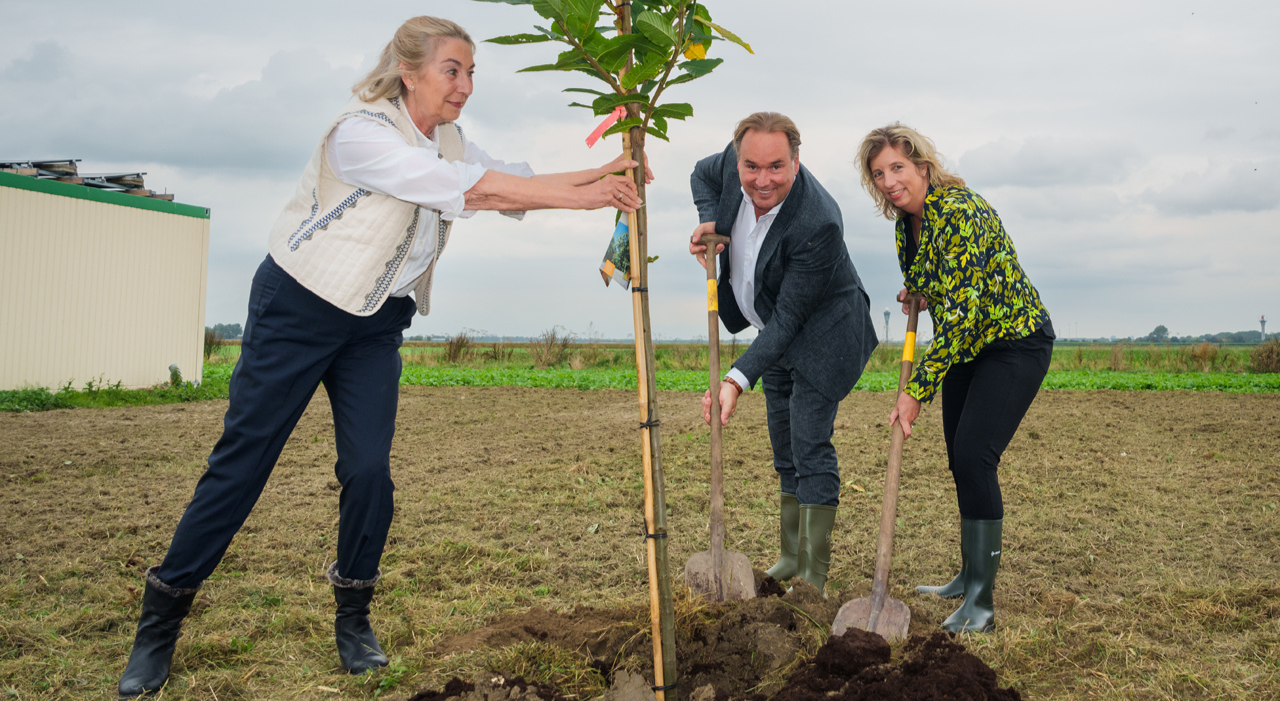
(787, 273)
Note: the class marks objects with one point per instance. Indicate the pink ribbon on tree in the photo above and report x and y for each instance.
(609, 121)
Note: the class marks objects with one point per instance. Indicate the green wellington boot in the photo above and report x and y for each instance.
(981, 542)
(814, 556)
(785, 567)
(955, 588)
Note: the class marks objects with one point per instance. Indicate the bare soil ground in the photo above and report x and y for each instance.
(1141, 546)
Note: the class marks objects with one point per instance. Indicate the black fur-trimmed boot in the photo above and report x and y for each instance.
(982, 545)
(358, 648)
(163, 608)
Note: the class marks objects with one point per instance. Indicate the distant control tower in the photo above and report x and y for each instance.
(886, 325)
(1263, 321)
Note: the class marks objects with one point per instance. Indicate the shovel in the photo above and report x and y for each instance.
(879, 613)
(717, 574)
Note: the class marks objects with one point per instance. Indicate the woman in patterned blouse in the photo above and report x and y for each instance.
(991, 346)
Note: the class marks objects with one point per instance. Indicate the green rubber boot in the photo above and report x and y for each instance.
(955, 588)
(785, 567)
(981, 542)
(814, 557)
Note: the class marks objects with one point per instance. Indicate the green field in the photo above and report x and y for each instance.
(560, 364)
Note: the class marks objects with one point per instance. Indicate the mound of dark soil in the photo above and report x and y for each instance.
(855, 667)
(737, 650)
(738, 647)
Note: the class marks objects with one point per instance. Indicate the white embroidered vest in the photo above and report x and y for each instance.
(347, 244)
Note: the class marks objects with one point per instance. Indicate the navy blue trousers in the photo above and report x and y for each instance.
(983, 401)
(801, 423)
(293, 341)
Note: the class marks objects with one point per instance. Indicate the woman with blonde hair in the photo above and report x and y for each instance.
(991, 346)
(364, 229)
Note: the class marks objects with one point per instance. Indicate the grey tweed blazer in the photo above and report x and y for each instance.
(817, 315)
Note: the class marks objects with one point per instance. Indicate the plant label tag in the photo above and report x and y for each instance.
(609, 121)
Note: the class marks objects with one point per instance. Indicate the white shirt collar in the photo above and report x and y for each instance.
(747, 201)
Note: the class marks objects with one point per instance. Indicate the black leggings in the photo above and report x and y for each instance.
(983, 401)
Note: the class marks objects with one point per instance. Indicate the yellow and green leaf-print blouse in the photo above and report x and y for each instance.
(968, 271)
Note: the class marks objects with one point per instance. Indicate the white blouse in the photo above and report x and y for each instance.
(374, 156)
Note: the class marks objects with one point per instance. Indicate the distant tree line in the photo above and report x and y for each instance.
(229, 332)
(1161, 335)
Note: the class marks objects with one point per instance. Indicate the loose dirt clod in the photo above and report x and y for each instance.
(492, 689)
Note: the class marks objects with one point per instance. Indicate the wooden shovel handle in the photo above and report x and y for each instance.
(717, 450)
(889, 507)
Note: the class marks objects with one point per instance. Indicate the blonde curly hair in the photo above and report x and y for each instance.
(910, 143)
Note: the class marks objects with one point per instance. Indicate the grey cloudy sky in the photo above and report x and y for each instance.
(1132, 148)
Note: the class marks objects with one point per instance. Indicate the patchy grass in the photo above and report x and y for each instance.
(99, 394)
(554, 362)
(1142, 539)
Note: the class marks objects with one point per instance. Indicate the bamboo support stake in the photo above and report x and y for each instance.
(662, 612)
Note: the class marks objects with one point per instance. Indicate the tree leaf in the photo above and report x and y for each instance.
(579, 104)
(700, 67)
(553, 34)
(580, 17)
(682, 78)
(622, 125)
(589, 91)
(550, 9)
(674, 110)
(517, 38)
(615, 56)
(658, 127)
(660, 134)
(656, 29)
(639, 73)
(607, 103)
(570, 60)
(510, 2)
(725, 33)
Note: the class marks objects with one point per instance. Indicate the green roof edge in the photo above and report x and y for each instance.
(93, 194)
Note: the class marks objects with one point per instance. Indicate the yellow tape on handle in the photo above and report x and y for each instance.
(713, 303)
(909, 347)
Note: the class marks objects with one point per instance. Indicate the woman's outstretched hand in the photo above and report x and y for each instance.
(624, 162)
(611, 191)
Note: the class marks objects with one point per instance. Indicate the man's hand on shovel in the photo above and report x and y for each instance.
(697, 247)
(728, 403)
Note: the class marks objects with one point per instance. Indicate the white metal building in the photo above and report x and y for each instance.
(98, 285)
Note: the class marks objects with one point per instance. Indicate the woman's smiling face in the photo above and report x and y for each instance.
(903, 182)
(441, 87)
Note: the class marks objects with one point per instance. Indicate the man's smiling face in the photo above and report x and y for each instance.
(766, 168)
